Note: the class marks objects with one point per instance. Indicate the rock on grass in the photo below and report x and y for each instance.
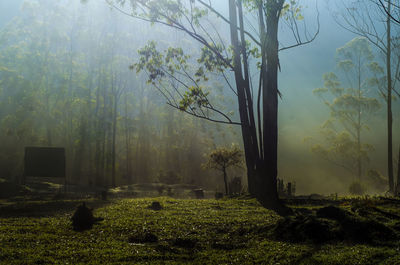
(156, 206)
(83, 218)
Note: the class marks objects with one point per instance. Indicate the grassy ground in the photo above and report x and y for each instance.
(228, 231)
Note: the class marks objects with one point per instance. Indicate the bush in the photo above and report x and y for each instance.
(357, 188)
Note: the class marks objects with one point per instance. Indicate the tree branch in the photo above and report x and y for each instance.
(299, 42)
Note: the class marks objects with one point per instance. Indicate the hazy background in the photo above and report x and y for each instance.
(300, 112)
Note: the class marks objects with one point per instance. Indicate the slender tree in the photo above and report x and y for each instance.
(223, 158)
(364, 19)
(350, 107)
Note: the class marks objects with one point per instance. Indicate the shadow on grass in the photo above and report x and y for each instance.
(331, 224)
(45, 208)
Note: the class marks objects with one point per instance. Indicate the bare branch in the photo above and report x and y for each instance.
(389, 13)
(227, 21)
(297, 34)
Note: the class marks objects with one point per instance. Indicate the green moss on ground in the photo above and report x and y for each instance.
(229, 231)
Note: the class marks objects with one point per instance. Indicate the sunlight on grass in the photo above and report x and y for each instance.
(234, 231)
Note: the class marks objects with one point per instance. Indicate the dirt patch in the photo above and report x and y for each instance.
(333, 212)
(304, 229)
(332, 223)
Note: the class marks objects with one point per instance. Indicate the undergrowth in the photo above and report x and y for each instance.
(228, 231)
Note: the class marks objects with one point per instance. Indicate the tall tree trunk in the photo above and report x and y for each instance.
(269, 166)
(398, 174)
(225, 180)
(80, 151)
(127, 143)
(104, 137)
(89, 156)
(359, 167)
(49, 122)
(389, 101)
(114, 135)
(255, 152)
(98, 127)
(250, 148)
(261, 165)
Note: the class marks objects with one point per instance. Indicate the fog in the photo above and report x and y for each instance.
(65, 81)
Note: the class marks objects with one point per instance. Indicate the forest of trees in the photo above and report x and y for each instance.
(153, 86)
(69, 84)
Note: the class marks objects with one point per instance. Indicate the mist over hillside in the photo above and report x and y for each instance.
(65, 81)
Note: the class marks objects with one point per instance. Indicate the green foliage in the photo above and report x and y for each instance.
(291, 9)
(342, 149)
(223, 157)
(195, 97)
(211, 61)
(60, 86)
(184, 86)
(350, 106)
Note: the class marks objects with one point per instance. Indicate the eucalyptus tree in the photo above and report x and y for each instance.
(347, 96)
(373, 20)
(185, 86)
(392, 10)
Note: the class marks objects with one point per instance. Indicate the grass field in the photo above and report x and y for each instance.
(227, 231)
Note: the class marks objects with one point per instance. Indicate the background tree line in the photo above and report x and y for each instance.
(65, 81)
